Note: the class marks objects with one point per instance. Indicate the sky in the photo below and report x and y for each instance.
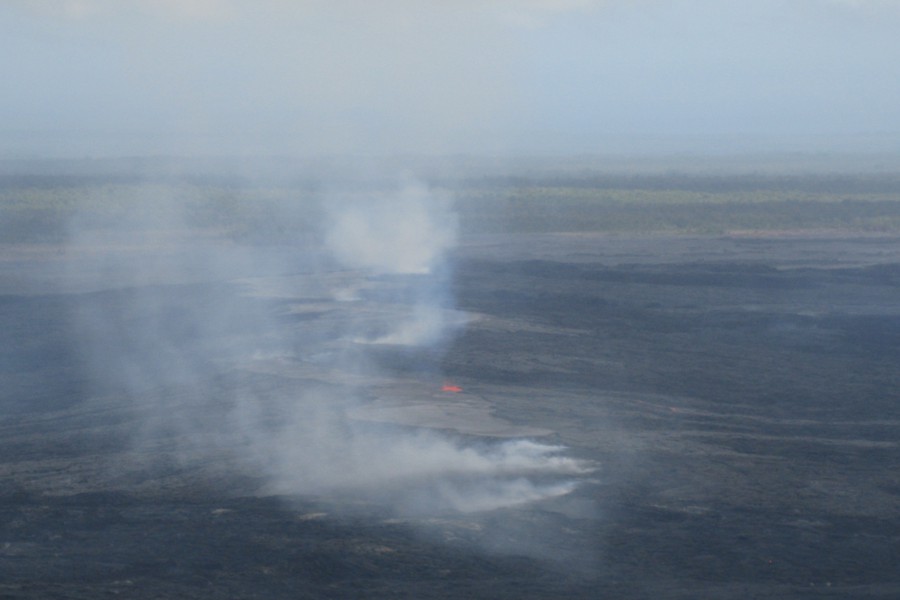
(497, 77)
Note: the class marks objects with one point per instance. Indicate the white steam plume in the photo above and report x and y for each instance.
(404, 233)
(182, 325)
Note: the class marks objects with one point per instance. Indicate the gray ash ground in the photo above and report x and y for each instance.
(740, 395)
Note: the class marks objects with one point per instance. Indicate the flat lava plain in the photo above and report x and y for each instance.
(739, 394)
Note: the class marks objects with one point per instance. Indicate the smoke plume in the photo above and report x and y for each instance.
(257, 355)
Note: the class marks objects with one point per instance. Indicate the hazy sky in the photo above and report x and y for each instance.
(102, 77)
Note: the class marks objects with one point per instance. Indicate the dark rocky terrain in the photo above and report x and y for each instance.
(740, 396)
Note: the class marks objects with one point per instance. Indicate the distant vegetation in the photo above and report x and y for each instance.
(574, 209)
(682, 203)
(47, 207)
(52, 213)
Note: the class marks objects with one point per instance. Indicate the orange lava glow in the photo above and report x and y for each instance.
(447, 387)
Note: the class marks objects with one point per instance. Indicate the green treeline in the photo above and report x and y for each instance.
(675, 211)
(47, 208)
(51, 213)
